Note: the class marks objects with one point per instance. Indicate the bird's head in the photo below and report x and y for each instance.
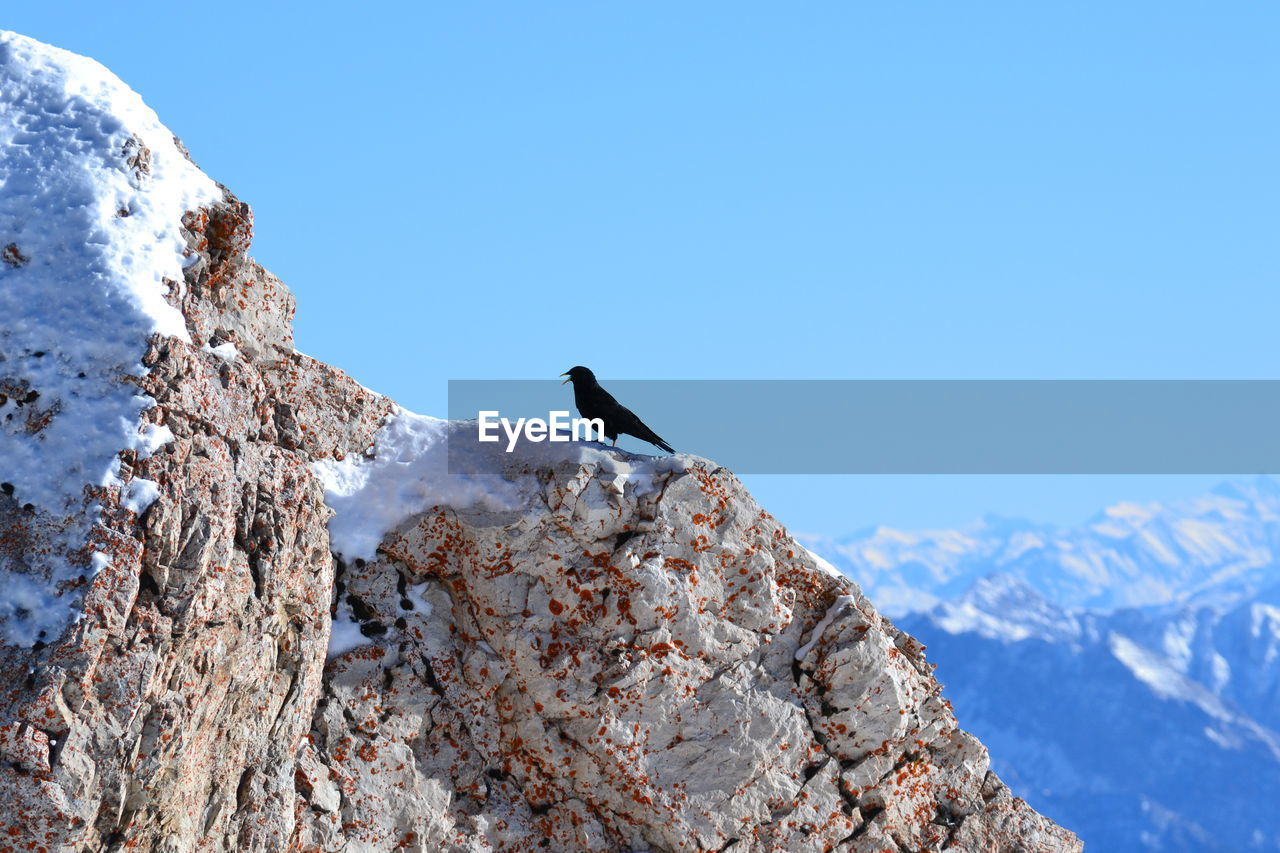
(578, 374)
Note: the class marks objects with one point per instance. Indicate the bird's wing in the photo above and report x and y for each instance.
(627, 422)
(597, 403)
(625, 419)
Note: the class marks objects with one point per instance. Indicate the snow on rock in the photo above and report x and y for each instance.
(166, 571)
(405, 474)
(832, 612)
(345, 633)
(226, 352)
(138, 494)
(93, 189)
(312, 620)
(418, 462)
(822, 563)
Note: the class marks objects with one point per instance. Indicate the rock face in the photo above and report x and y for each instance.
(619, 671)
(615, 663)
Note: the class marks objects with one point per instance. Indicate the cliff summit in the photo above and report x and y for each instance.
(248, 608)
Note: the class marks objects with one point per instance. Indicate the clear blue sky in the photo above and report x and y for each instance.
(745, 190)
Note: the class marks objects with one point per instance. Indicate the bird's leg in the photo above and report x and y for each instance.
(615, 443)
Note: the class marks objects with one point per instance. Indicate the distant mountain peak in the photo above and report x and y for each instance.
(1000, 606)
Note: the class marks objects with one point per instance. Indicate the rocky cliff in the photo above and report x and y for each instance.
(571, 650)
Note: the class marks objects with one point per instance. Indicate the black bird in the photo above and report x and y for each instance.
(595, 402)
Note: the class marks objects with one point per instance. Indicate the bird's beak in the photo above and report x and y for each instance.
(567, 380)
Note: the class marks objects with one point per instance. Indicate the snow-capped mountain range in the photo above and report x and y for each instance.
(1125, 672)
(1216, 548)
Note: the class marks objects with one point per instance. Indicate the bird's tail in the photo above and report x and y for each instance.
(663, 445)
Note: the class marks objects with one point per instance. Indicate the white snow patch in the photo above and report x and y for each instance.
(420, 604)
(90, 228)
(825, 565)
(1163, 679)
(407, 472)
(1153, 670)
(226, 352)
(407, 475)
(151, 438)
(138, 494)
(836, 608)
(345, 633)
